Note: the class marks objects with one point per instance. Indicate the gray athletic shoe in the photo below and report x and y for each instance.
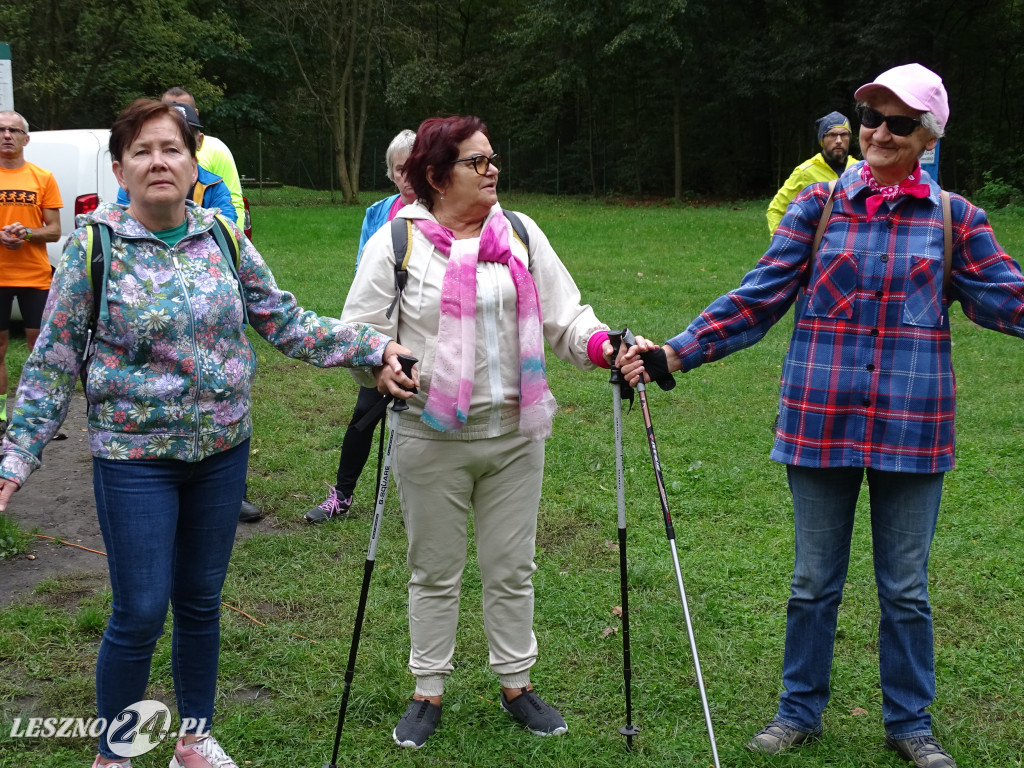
(777, 737)
(536, 714)
(417, 724)
(922, 751)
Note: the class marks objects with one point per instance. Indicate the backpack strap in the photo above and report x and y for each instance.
(229, 246)
(947, 242)
(97, 270)
(518, 228)
(401, 241)
(826, 214)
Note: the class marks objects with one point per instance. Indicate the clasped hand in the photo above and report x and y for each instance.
(390, 378)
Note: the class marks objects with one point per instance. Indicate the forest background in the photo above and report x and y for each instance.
(638, 98)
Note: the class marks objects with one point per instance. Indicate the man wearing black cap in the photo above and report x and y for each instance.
(834, 158)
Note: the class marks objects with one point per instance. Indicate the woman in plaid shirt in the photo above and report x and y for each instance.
(867, 389)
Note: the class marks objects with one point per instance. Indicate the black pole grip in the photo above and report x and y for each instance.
(407, 362)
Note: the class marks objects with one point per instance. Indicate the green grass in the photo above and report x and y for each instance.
(13, 540)
(652, 268)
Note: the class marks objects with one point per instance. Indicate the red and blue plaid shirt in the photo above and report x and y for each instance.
(868, 379)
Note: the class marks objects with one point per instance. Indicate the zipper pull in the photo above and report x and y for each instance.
(174, 260)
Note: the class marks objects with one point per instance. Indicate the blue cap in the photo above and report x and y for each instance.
(830, 121)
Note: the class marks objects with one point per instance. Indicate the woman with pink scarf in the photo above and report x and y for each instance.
(477, 307)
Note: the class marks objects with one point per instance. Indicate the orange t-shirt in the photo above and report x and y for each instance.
(24, 193)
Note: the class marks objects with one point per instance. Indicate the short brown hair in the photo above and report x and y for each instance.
(437, 146)
(128, 125)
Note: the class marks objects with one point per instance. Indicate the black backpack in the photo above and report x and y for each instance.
(401, 239)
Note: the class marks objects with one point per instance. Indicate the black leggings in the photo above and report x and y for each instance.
(356, 447)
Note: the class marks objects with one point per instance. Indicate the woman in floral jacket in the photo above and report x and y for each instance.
(168, 388)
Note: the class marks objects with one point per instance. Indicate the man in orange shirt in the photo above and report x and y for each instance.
(29, 219)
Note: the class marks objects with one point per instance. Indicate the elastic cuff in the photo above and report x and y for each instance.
(594, 353)
(518, 680)
(430, 685)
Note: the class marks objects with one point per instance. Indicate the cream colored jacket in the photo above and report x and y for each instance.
(494, 407)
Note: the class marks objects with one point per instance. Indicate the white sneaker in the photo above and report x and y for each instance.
(126, 763)
(205, 753)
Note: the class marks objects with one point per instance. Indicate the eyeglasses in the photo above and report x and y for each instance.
(481, 163)
(899, 125)
(843, 135)
(12, 131)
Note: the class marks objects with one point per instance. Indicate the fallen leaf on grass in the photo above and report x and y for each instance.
(858, 711)
(611, 545)
(608, 631)
(617, 611)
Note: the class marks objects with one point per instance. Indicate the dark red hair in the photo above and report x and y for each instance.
(436, 147)
(128, 125)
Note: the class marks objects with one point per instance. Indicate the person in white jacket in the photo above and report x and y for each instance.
(476, 310)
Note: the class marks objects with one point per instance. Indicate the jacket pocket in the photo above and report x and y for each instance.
(923, 305)
(834, 288)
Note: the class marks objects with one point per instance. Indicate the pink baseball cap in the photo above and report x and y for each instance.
(916, 86)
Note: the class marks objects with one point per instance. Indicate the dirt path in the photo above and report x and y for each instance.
(58, 500)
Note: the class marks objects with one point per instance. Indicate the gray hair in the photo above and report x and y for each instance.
(401, 143)
(18, 115)
(931, 124)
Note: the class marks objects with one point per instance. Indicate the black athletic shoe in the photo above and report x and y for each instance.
(417, 724)
(536, 714)
(249, 512)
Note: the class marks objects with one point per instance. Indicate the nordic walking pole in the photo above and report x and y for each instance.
(371, 554)
(671, 534)
(616, 380)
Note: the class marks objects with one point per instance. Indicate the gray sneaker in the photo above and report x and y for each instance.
(333, 506)
(922, 751)
(417, 724)
(777, 737)
(536, 714)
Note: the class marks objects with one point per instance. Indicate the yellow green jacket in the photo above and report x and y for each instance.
(808, 172)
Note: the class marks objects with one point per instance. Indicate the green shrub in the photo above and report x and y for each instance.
(997, 193)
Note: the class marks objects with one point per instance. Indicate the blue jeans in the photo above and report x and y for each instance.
(168, 527)
(904, 510)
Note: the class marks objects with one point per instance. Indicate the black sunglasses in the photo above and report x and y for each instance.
(481, 163)
(899, 125)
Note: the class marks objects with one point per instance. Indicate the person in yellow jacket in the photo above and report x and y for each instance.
(834, 158)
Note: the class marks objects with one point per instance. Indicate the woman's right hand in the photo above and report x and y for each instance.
(7, 489)
(390, 378)
(632, 365)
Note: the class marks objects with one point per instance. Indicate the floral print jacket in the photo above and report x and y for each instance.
(172, 371)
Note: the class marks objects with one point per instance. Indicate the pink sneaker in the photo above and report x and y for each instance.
(126, 763)
(205, 753)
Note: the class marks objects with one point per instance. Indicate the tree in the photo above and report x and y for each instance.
(74, 66)
(333, 44)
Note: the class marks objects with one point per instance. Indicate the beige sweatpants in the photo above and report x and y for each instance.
(440, 482)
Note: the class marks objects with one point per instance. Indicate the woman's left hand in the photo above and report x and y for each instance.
(7, 489)
(390, 378)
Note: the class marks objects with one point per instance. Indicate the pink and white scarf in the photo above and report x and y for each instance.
(451, 386)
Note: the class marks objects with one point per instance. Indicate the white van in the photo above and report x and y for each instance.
(80, 161)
